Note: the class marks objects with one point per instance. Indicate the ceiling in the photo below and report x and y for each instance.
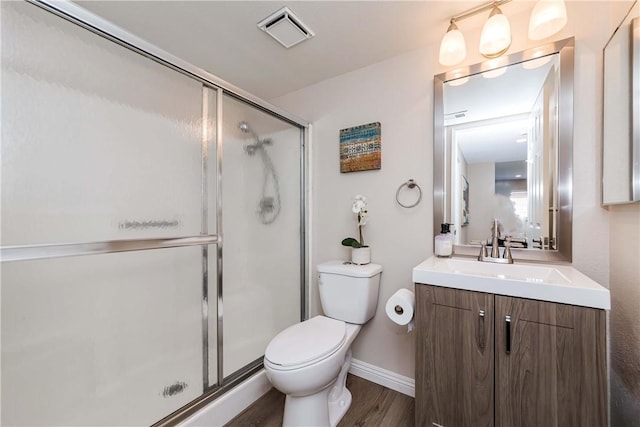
(494, 141)
(222, 36)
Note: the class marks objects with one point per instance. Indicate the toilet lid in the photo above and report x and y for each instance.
(305, 342)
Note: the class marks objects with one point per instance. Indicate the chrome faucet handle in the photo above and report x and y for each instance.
(539, 241)
(507, 253)
(483, 250)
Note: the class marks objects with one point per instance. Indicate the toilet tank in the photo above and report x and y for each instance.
(349, 292)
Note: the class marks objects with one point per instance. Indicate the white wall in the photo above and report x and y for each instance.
(398, 93)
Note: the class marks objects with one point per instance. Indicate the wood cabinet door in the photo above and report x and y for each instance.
(454, 357)
(550, 364)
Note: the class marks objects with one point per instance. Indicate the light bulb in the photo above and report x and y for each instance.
(452, 48)
(547, 18)
(496, 35)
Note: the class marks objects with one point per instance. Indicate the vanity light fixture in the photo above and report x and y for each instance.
(452, 49)
(547, 18)
(496, 34)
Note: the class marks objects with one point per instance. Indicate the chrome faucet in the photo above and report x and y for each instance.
(495, 248)
(495, 239)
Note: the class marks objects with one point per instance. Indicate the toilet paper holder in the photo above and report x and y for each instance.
(400, 308)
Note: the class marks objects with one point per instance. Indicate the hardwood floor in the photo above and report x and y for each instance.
(372, 406)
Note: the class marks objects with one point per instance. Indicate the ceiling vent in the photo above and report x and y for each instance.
(286, 28)
(456, 115)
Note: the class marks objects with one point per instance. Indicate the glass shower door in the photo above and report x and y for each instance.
(103, 155)
(115, 275)
(262, 230)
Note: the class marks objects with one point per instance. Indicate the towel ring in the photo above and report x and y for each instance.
(409, 184)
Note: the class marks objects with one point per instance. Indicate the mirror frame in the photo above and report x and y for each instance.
(441, 154)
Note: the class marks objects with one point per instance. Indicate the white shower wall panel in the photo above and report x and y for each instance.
(98, 142)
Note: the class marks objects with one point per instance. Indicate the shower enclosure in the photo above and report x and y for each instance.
(152, 225)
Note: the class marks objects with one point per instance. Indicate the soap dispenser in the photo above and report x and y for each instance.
(444, 242)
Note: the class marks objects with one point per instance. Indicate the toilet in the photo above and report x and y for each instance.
(309, 361)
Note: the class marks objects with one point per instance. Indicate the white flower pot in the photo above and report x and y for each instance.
(361, 256)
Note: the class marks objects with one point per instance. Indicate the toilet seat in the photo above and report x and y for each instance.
(306, 343)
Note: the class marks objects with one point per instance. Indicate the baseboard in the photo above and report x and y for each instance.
(224, 409)
(375, 374)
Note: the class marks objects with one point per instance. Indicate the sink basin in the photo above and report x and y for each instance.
(521, 272)
(546, 282)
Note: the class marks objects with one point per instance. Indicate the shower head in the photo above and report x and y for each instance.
(244, 127)
(258, 144)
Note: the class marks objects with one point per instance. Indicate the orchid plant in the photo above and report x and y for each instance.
(360, 209)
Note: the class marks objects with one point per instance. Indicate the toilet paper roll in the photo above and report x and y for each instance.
(400, 306)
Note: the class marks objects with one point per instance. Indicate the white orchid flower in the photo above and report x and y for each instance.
(359, 204)
(359, 208)
(364, 218)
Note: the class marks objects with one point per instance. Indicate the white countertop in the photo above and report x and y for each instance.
(545, 282)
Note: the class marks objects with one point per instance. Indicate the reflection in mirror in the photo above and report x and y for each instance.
(505, 148)
(503, 153)
(621, 123)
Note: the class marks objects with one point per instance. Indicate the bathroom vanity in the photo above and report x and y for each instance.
(509, 345)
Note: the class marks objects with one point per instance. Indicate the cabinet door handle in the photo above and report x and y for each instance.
(481, 329)
(507, 324)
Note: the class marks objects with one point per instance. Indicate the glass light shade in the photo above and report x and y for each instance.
(547, 18)
(496, 35)
(452, 48)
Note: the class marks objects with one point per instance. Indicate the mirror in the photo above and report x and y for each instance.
(503, 136)
(621, 113)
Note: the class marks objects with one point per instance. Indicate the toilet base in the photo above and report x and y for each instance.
(340, 396)
(324, 408)
(308, 410)
(338, 408)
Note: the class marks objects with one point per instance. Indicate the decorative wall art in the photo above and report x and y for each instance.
(465, 201)
(360, 148)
